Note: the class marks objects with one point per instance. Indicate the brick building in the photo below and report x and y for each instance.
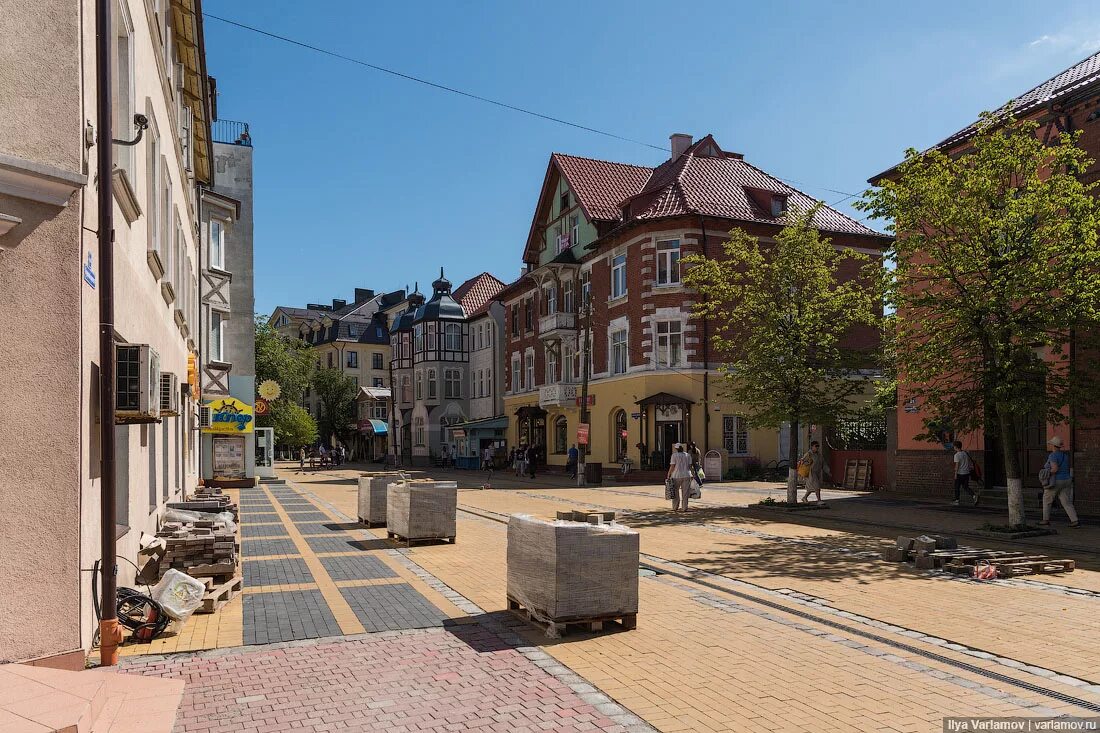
(1067, 102)
(614, 233)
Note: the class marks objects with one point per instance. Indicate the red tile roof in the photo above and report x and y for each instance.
(703, 180)
(477, 293)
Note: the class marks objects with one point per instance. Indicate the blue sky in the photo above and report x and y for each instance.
(362, 179)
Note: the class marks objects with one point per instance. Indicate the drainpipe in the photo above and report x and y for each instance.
(109, 634)
(706, 359)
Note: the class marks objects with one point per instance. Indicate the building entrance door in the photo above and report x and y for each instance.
(668, 435)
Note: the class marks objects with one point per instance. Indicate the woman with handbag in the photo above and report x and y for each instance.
(679, 473)
(812, 466)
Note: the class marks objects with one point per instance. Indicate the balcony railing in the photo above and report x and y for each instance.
(558, 395)
(231, 132)
(555, 324)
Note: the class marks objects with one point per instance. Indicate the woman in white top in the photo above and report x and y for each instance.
(679, 472)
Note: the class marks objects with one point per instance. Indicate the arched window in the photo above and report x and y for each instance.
(619, 439)
(561, 435)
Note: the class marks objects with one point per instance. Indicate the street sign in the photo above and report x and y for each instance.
(635, 415)
(261, 406)
(582, 433)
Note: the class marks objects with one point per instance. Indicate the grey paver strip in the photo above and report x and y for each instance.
(330, 543)
(273, 529)
(307, 516)
(287, 616)
(257, 548)
(276, 571)
(391, 607)
(328, 528)
(363, 567)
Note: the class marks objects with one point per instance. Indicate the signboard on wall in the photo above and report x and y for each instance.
(228, 457)
(229, 415)
(582, 433)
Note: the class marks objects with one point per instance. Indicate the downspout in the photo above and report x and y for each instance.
(706, 357)
(109, 633)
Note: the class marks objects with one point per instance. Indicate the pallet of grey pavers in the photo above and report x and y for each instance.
(587, 515)
(421, 509)
(562, 573)
(918, 549)
(373, 489)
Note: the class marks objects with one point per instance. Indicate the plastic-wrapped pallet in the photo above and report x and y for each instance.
(372, 495)
(564, 571)
(422, 509)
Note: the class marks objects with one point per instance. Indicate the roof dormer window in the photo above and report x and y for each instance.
(563, 203)
(779, 205)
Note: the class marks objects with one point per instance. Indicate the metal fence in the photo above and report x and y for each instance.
(232, 132)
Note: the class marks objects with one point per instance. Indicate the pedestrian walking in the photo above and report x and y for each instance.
(816, 463)
(696, 461)
(964, 469)
(1060, 484)
(679, 472)
(571, 460)
(487, 459)
(532, 459)
(301, 459)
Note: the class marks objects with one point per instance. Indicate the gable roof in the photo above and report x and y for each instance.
(477, 293)
(1057, 88)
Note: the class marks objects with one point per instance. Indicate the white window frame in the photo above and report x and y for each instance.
(433, 386)
(618, 276)
(586, 288)
(551, 298)
(215, 338)
(216, 244)
(529, 368)
(550, 367)
(419, 384)
(517, 371)
(735, 430)
(663, 342)
(123, 84)
(668, 258)
(567, 299)
(352, 356)
(618, 350)
(418, 431)
(452, 384)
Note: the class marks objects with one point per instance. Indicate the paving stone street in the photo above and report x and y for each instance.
(749, 620)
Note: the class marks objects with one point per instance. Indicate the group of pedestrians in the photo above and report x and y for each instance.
(684, 467)
(322, 455)
(524, 459)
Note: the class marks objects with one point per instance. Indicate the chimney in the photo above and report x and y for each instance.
(337, 304)
(362, 295)
(680, 142)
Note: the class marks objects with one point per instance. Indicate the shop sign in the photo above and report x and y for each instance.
(591, 400)
(228, 458)
(364, 426)
(261, 406)
(458, 433)
(582, 433)
(229, 415)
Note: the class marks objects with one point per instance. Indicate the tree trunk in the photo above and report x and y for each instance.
(792, 461)
(1010, 449)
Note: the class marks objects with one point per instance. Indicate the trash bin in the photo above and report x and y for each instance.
(593, 473)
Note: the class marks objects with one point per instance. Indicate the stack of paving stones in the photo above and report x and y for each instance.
(202, 549)
(206, 499)
(373, 490)
(422, 509)
(920, 549)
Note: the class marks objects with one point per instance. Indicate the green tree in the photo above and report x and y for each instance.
(783, 311)
(294, 428)
(336, 392)
(996, 266)
(287, 361)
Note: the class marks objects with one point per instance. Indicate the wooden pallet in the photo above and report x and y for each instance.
(371, 525)
(410, 540)
(1012, 567)
(558, 627)
(857, 473)
(220, 595)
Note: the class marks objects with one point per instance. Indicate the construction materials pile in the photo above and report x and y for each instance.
(421, 509)
(207, 499)
(929, 552)
(373, 490)
(567, 572)
(202, 548)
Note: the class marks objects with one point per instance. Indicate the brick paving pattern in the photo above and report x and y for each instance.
(339, 543)
(356, 568)
(271, 529)
(276, 571)
(391, 607)
(306, 516)
(286, 616)
(257, 548)
(318, 528)
(432, 680)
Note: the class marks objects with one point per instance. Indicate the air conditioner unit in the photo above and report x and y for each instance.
(204, 416)
(137, 383)
(169, 394)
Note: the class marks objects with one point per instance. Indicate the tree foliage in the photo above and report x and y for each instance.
(336, 392)
(287, 361)
(782, 311)
(294, 427)
(995, 265)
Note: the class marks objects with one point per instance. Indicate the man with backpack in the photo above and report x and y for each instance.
(964, 468)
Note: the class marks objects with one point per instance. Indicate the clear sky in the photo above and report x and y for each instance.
(362, 179)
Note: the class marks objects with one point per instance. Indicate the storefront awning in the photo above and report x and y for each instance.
(380, 427)
(663, 398)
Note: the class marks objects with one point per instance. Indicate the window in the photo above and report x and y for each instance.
(488, 382)
(216, 336)
(551, 300)
(568, 363)
(488, 334)
(452, 337)
(406, 392)
(618, 276)
(669, 343)
(418, 431)
(561, 434)
(530, 370)
(164, 242)
(376, 360)
(515, 319)
(419, 385)
(217, 245)
(735, 434)
(563, 202)
(353, 332)
(515, 373)
(431, 337)
(527, 322)
(379, 411)
(619, 439)
(153, 187)
(353, 360)
(355, 381)
(574, 229)
(480, 382)
(779, 205)
(567, 297)
(668, 262)
(433, 388)
(123, 84)
(330, 360)
(377, 382)
(452, 383)
(418, 332)
(473, 383)
(618, 352)
(551, 376)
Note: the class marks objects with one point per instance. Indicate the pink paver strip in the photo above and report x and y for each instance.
(460, 678)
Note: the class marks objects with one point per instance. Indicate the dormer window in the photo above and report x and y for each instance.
(779, 205)
(563, 202)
